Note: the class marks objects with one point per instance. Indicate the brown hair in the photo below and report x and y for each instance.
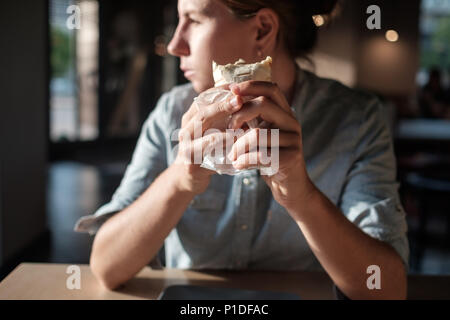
(297, 27)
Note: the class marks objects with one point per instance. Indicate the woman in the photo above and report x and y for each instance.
(333, 203)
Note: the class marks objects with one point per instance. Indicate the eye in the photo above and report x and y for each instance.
(193, 21)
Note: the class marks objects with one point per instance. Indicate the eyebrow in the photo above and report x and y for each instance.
(205, 11)
(189, 12)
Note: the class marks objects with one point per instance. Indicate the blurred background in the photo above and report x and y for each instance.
(73, 101)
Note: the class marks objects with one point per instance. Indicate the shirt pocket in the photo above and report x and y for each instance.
(210, 200)
(199, 224)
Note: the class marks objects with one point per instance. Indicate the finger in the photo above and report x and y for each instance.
(252, 160)
(268, 111)
(262, 88)
(208, 115)
(194, 108)
(259, 159)
(187, 116)
(257, 139)
(194, 151)
(222, 87)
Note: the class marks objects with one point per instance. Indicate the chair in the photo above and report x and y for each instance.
(430, 187)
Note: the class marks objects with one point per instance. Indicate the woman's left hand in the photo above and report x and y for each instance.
(290, 185)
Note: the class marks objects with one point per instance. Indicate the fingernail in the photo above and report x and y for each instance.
(234, 88)
(230, 155)
(234, 155)
(234, 102)
(236, 164)
(231, 124)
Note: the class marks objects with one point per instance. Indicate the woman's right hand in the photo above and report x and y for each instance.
(193, 143)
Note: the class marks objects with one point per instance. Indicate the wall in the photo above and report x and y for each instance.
(23, 127)
(351, 53)
(336, 51)
(391, 67)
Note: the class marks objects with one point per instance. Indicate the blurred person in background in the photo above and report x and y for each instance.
(434, 99)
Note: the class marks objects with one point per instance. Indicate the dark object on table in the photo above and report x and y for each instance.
(190, 292)
(339, 294)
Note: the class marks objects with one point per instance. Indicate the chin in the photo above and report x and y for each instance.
(199, 87)
(196, 87)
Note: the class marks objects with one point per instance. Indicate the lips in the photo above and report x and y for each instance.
(188, 73)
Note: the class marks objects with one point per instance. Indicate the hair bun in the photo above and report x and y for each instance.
(321, 6)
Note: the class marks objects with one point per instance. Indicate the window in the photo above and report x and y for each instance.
(435, 38)
(74, 71)
(107, 75)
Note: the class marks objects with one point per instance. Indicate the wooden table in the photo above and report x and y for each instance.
(48, 281)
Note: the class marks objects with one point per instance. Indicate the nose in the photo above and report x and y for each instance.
(178, 46)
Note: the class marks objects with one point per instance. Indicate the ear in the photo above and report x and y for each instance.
(267, 27)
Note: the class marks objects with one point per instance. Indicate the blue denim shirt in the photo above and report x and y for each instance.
(236, 223)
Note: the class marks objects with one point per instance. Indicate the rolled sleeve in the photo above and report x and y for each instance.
(148, 161)
(370, 196)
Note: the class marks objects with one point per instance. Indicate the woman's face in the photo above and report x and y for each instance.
(208, 31)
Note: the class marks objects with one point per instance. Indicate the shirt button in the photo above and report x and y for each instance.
(244, 227)
(246, 181)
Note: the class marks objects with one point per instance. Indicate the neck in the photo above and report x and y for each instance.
(284, 74)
